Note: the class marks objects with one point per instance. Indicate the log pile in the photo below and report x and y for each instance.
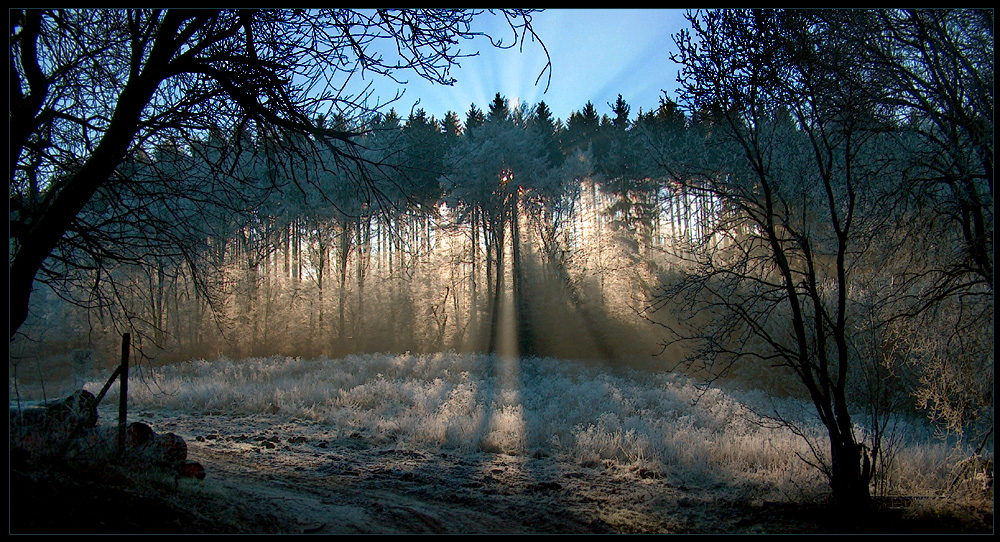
(67, 431)
(46, 430)
(166, 451)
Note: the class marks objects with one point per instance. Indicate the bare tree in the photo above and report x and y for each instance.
(937, 68)
(797, 141)
(92, 89)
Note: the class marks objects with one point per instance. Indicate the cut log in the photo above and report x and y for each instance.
(192, 469)
(170, 448)
(138, 434)
(46, 429)
(143, 445)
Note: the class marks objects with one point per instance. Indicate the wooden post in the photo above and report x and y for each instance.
(123, 395)
(107, 385)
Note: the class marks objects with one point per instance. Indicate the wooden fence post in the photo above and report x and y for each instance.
(123, 395)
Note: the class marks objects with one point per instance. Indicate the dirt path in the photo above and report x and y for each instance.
(268, 474)
(333, 483)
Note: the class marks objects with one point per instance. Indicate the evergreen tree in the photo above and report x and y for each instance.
(621, 111)
(582, 128)
(452, 126)
(473, 119)
(548, 131)
(588, 131)
(423, 148)
(499, 109)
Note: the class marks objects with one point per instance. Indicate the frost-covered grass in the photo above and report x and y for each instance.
(650, 423)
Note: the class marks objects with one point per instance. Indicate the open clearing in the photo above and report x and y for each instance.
(451, 443)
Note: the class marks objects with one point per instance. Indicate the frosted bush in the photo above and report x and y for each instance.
(505, 431)
(608, 440)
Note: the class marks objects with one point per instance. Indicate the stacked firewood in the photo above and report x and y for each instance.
(166, 451)
(67, 430)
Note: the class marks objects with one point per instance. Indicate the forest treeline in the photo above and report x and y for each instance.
(457, 219)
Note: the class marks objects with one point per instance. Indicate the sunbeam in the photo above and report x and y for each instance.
(581, 43)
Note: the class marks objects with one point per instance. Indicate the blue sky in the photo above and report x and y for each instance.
(596, 54)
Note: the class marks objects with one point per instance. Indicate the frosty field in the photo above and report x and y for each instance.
(474, 443)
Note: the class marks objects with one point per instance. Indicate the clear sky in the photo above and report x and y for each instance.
(596, 54)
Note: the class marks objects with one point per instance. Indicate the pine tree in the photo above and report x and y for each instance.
(499, 109)
(621, 111)
(452, 126)
(473, 119)
(548, 130)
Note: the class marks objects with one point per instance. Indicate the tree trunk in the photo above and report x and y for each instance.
(498, 249)
(345, 253)
(525, 340)
(363, 264)
(473, 295)
(46, 229)
(851, 474)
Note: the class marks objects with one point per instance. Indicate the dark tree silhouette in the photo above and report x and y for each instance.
(796, 134)
(90, 88)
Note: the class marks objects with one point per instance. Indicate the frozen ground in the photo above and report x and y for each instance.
(451, 443)
(331, 482)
